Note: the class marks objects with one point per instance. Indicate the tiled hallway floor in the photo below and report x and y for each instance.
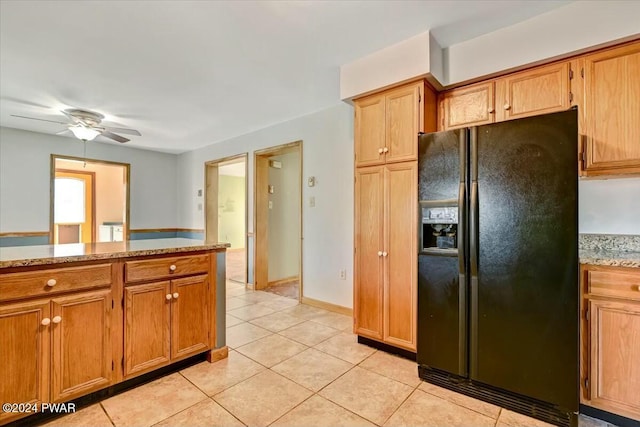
(294, 365)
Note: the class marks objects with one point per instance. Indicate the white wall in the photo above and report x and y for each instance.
(25, 167)
(569, 28)
(610, 206)
(284, 218)
(327, 150)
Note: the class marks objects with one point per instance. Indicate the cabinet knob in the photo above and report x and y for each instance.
(380, 150)
(507, 106)
(45, 321)
(638, 287)
(51, 282)
(384, 254)
(386, 150)
(172, 267)
(491, 110)
(57, 319)
(176, 295)
(379, 253)
(168, 296)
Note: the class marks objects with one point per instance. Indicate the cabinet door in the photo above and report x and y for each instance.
(539, 91)
(81, 344)
(147, 313)
(468, 106)
(612, 110)
(189, 316)
(401, 247)
(403, 113)
(370, 130)
(369, 244)
(24, 351)
(615, 351)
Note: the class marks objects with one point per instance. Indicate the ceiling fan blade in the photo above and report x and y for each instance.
(113, 136)
(123, 130)
(63, 132)
(42, 120)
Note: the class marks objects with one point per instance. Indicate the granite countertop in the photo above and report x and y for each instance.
(610, 249)
(22, 256)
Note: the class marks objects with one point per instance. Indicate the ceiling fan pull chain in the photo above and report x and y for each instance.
(84, 153)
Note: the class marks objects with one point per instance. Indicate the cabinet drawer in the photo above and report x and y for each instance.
(614, 284)
(161, 268)
(53, 281)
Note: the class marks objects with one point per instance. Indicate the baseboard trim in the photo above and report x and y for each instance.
(327, 306)
(284, 281)
(406, 354)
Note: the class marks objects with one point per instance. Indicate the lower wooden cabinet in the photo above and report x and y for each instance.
(164, 321)
(386, 253)
(611, 340)
(54, 350)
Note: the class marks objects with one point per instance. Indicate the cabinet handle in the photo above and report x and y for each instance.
(168, 296)
(51, 282)
(386, 150)
(384, 254)
(57, 319)
(638, 287)
(45, 321)
(176, 295)
(380, 151)
(491, 110)
(172, 267)
(507, 106)
(379, 253)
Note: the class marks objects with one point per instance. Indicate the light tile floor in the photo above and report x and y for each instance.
(294, 365)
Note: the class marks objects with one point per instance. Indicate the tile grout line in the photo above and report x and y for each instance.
(106, 413)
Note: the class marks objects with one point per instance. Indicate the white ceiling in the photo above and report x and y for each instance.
(187, 74)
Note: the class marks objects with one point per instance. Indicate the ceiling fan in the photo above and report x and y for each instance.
(85, 125)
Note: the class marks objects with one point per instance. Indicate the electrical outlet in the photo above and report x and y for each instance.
(312, 202)
(200, 193)
(270, 204)
(199, 206)
(343, 274)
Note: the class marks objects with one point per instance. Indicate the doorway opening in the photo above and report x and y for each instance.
(226, 211)
(89, 200)
(278, 220)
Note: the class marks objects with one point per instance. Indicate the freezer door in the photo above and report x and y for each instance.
(442, 273)
(524, 257)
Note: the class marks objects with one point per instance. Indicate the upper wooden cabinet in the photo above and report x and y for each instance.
(467, 106)
(541, 90)
(387, 124)
(611, 111)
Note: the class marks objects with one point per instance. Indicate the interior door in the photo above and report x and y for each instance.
(369, 244)
(524, 257)
(81, 343)
(147, 314)
(189, 316)
(24, 351)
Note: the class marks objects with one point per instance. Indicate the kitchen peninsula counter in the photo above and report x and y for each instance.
(78, 318)
(25, 256)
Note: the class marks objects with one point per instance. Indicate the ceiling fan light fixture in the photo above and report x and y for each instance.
(84, 133)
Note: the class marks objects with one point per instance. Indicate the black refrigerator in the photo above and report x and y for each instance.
(498, 295)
